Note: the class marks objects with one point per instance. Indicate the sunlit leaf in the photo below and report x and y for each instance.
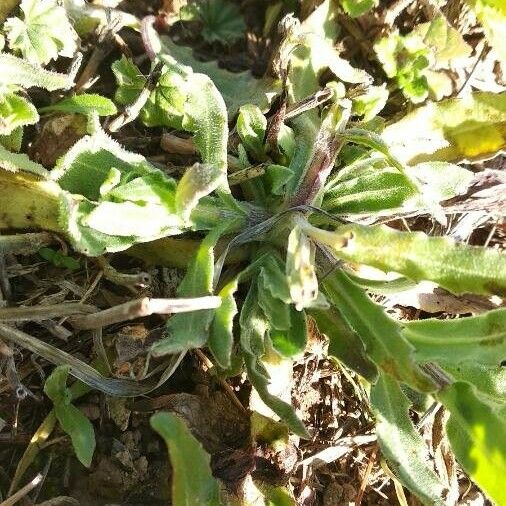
(15, 111)
(192, 480)
(251, 127)
(42, 33)
(356, 8)
(477, 433)
(469, 128)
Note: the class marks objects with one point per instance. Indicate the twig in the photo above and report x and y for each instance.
(133, 110)
(40, 313)
(365, 479)
(173, 144)
(483, 52)
(143, 307)
(315, 100)
(25, 244)
(14, 498)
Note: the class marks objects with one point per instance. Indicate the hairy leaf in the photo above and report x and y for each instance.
(292, 341)
(43, 33)
(477, 433)
(15, 112)
(481, 338)
(87, 103)
(401, 444)
(382, 337)
(20, 72)
(457, 267)
(469, 128)
(71, 420)
(192, 479)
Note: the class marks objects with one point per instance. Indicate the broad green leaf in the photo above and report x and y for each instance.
(192, 479)
(165, 105)
(279, 176)
(197, 182)
(20, 72)
(42, 33)
(13, 141)
(221, 337)
(276, 310)
(355, 8)
(186, 331)
(382, 337)
(222, 20)
(481, 338)
(251, 127)
(15, 112)
(492, 15)
(15, 162)
(87, 103)
(300, 270)
(457, 267)
(274, 278)
(292, 341)
(477, 433)
(71, 420)
(401, 444)
(254, 327)
(469, 128)
(237, 88)
(370, 190)
(344, 344)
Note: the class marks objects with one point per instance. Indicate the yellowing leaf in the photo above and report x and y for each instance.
(471, 128)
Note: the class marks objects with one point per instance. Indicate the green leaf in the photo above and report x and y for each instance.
(382, 336)
(401, 444)
(87, 103)
(254, 327)
(186, 331)
(369, 190)
(43, 33)
(276, 310)
(457, 267)
(222, 20)
(13, 141)
(492, 15)
(71, 420)
(15, 112)
(469, 128)
(355, 8)
(237, 88)
(300, 270)
(290, 342)
(192, 480)
(371, 102)
(481, 338)
(344, 344)
(20, 72)
(221, 337)
(251, 127)
(58, 259)
(14, 162)
(477, 433)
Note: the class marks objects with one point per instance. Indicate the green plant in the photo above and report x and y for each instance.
(300, 224)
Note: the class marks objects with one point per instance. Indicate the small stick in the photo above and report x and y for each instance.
(143, 307)
(133, 110)
(365, 480)
(39, 313)
(177, 145)
(311, 102)
(22, 492)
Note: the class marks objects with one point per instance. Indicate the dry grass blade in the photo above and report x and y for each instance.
(13, 499)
